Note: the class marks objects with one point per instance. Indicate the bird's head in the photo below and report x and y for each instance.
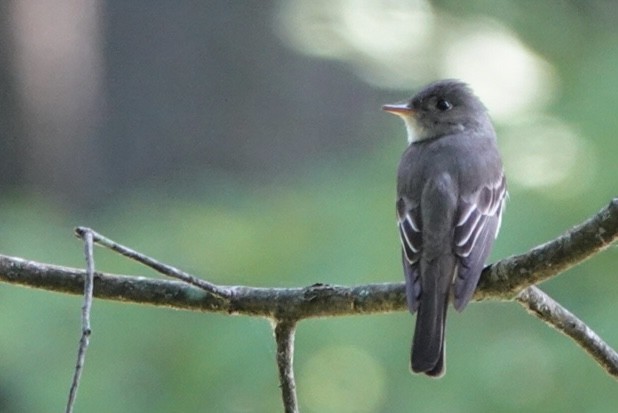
(442, 108)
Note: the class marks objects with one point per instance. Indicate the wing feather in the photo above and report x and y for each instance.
(478, 221)
(410, 236)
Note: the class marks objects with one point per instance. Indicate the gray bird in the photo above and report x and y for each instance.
(451, 190)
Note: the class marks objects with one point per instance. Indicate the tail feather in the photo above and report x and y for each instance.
(428, 343)
(440, 368)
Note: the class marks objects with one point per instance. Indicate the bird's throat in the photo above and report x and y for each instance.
(414, 134)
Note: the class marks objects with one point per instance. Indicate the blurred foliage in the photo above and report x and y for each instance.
(330, 221)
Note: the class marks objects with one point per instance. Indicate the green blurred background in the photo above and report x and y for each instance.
(244, 142)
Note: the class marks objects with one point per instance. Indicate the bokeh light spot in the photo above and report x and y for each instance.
(544, 153)
(507, 76)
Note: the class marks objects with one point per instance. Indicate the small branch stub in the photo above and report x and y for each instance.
(284, 335)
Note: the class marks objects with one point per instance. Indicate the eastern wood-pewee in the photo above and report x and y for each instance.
(450, 196)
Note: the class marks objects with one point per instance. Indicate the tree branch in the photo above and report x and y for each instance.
(503, 280)
(507, 277)
(285, 306)
(544, 307)
(251, 301)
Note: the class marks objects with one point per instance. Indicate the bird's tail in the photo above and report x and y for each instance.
(428, 343)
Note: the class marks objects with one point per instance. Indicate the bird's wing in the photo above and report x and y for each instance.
(477, 223)
(408, 217)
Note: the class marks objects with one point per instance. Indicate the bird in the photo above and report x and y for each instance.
(451, 192)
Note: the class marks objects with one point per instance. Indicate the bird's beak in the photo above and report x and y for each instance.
(400, 109)
(408, 114)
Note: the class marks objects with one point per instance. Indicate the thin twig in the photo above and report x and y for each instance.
(86, 330)
(544, 307)
(160, 267)
(284, 335)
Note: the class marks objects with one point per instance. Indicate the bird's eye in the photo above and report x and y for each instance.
(443, 105)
